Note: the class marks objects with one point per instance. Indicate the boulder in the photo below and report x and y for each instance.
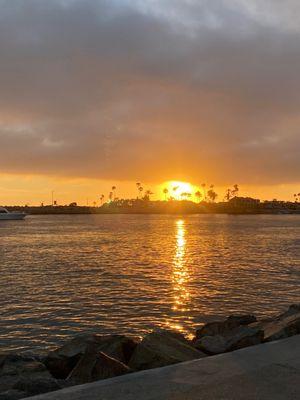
(212, 344)
(293, 309)
(94, 366)
(12, 394)
(283, 326)
(237, 338)
(62, 361)
(18, 372)
(171, 333)
(37, 385)
(16, 364)
(222, 327)
(161, 348)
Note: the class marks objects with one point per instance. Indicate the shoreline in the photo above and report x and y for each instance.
(268, 371)
(65, 210)
(91, 357)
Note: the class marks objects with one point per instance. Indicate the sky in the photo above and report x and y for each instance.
(95, 93)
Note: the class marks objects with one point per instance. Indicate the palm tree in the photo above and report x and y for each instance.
(101, 199)
(138, 186)
(227, 196)
(166, 191)
(175, 188)
(212, 195)
(203, 185)
(148, 193)
(198, 194)
(113, 189)
(141, 190)
(235, 190)
(110, 196)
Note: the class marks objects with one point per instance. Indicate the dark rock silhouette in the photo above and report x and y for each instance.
(94, 366)
(161, 348)
(61, 361)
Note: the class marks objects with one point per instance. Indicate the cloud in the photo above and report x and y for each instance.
(151, 90)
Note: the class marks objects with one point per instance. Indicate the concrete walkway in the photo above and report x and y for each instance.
(267, 371)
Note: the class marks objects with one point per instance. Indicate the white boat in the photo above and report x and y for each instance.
(7, 215)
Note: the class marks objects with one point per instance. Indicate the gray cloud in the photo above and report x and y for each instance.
(151, 90)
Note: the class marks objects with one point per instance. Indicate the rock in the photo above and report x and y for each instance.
(61, 366)
(293, 309)
(237, 338)
(37, 385)
(94, 366)
(245, 319)
(212, 344)
(15, 368)
(15, 364)
(221, 327)
(12, 394)
(62, 361)
(161, 348)
(281, 326)
(7, 382)
(118, 346)
(285, 325)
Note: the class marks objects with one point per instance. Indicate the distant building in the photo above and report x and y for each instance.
(244, 202)
(277, 204)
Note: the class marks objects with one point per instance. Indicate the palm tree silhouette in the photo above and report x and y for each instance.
(141, 190)
(212, 195)
(203, 185)
(138, 186)
(148, 192)
(198, 194)
(235, 190)
(166, 191)
(228, 195)
(175, 188)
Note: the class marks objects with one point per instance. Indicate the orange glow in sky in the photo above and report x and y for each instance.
(37, 189)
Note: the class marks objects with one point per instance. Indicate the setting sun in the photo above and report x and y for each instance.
(178, 189)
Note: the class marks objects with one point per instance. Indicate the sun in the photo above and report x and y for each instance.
(177, 189)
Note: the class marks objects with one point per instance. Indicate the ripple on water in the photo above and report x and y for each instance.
(61, 275)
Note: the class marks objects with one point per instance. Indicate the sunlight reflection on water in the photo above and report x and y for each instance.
(180, 274)
(180, 271)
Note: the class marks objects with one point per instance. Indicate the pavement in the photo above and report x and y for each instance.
(263, 372)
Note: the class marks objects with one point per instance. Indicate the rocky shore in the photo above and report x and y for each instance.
(91, 357)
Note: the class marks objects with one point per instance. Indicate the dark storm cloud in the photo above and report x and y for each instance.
(151, 90)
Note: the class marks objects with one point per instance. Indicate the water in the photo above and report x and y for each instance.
(61, 275)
